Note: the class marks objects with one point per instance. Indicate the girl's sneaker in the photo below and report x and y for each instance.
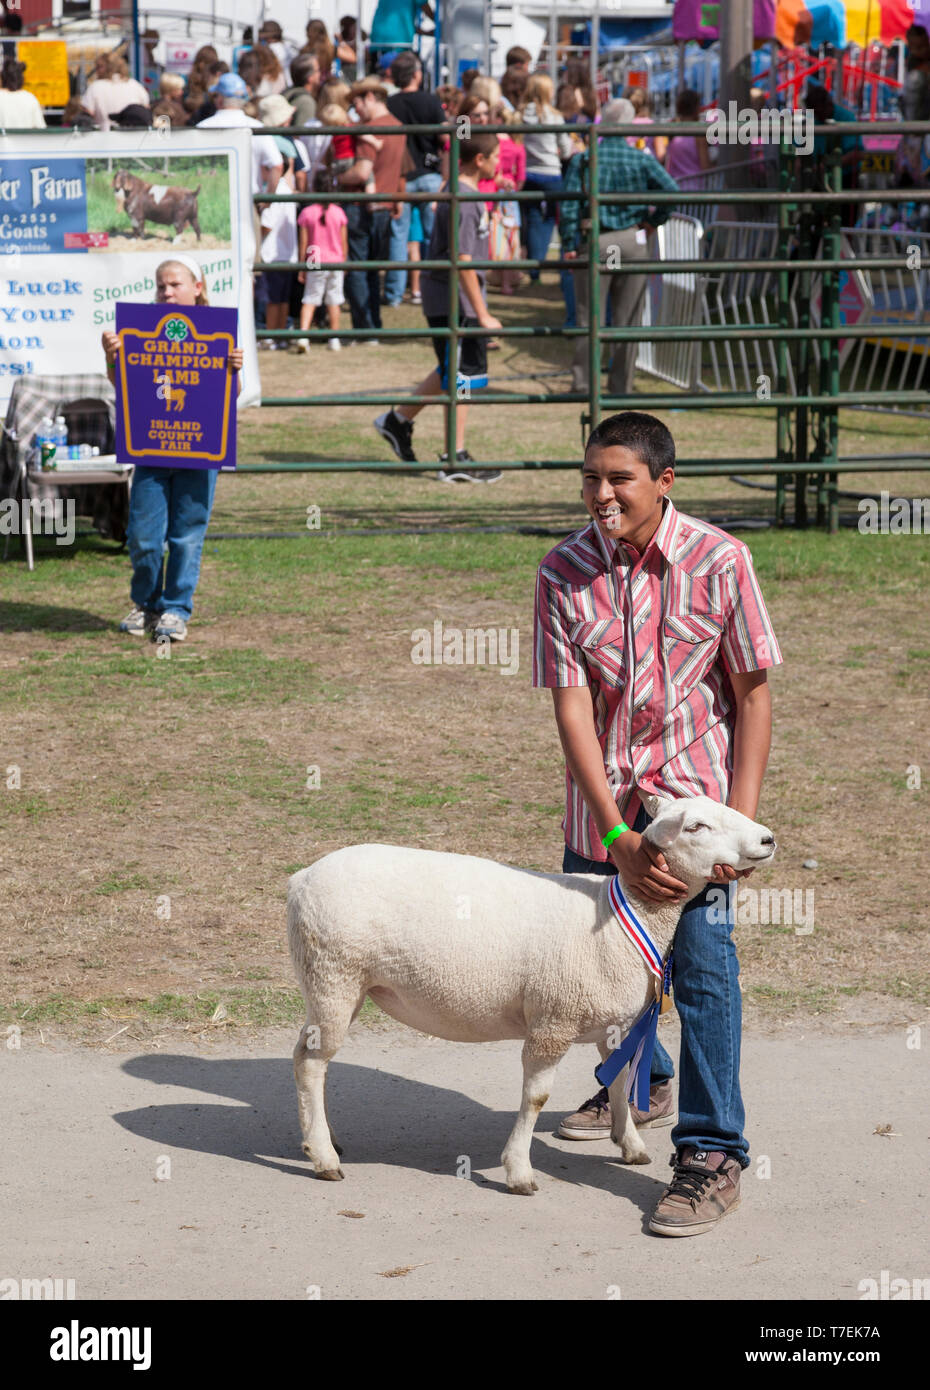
(171, 625)
(334, 345)
(139, 622)
(302, 345)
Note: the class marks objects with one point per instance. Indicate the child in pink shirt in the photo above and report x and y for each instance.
(511, 173)
(322, 237)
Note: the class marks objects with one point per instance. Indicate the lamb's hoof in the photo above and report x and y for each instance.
(523, 1189)
(636, 1156)
(331, 1174)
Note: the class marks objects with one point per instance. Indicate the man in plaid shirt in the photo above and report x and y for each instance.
(625, 227)
(654, 638)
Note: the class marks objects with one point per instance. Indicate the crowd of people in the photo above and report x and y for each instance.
(272, 82)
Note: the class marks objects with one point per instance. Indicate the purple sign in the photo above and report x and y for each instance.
(175, 394)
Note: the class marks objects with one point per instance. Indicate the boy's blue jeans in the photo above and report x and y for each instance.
(705, 982)
(395, 281)
(168, 506)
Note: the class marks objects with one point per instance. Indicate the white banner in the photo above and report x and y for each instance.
(87, 217)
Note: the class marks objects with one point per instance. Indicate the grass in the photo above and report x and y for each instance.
(142, 778)
(246, 1008)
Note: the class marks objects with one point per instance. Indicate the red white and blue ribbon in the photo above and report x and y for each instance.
(639, 1044)
(633, 927)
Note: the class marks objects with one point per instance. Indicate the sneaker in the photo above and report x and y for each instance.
(171, 625)
(661, 1110)
(399, 434)
(416, 299)
(455, 475)
(302, 345)
(469, 475)
(592, 1121)
(704, 1188)
(368, 342)
(334, 345)
(139, 622)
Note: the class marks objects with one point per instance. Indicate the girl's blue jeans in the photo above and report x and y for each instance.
(539, 227)
(705, 980)
(168, 506)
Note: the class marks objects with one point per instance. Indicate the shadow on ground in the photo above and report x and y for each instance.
(44, 617)
(378, 1117)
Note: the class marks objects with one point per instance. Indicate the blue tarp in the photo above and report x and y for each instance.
(617, 33)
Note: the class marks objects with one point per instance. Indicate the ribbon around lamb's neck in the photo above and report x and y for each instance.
(639, 1044)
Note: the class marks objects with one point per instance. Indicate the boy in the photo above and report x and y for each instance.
(653, 636)
(478, 158)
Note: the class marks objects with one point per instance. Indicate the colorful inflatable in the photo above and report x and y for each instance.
(810, 22)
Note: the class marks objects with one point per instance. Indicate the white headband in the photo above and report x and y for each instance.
(188, 263)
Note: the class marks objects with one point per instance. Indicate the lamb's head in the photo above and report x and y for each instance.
(695, 833)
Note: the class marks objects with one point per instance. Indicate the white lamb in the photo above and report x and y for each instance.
(474, 951)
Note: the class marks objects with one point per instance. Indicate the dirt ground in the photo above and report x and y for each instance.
(154, 234)
(162, 805)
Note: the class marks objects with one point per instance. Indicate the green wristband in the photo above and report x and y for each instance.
(614, 834)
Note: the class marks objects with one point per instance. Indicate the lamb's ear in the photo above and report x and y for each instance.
(653, 804)
(664, 832)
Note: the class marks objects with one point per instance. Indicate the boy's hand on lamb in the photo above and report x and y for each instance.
(725, 873)
(645, 870)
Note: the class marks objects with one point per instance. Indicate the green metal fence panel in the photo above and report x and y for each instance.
(806, 418)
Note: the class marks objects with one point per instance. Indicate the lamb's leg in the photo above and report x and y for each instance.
(539, 1065)
(332, 1133)
(622, 1129)
(310, 1066)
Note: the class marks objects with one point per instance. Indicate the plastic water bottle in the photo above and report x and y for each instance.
(60, 436)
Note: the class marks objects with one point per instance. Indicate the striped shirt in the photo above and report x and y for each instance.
(654, 636)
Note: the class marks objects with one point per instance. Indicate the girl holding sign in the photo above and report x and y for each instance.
(167, 505)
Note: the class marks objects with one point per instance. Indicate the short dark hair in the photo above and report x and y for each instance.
(11, 75)
(688, 103)
(404, 69)
(302, 66)
(518, 55)
(482, 142)
(642, 434)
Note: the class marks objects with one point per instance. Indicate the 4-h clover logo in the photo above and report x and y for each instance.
(176, 330)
